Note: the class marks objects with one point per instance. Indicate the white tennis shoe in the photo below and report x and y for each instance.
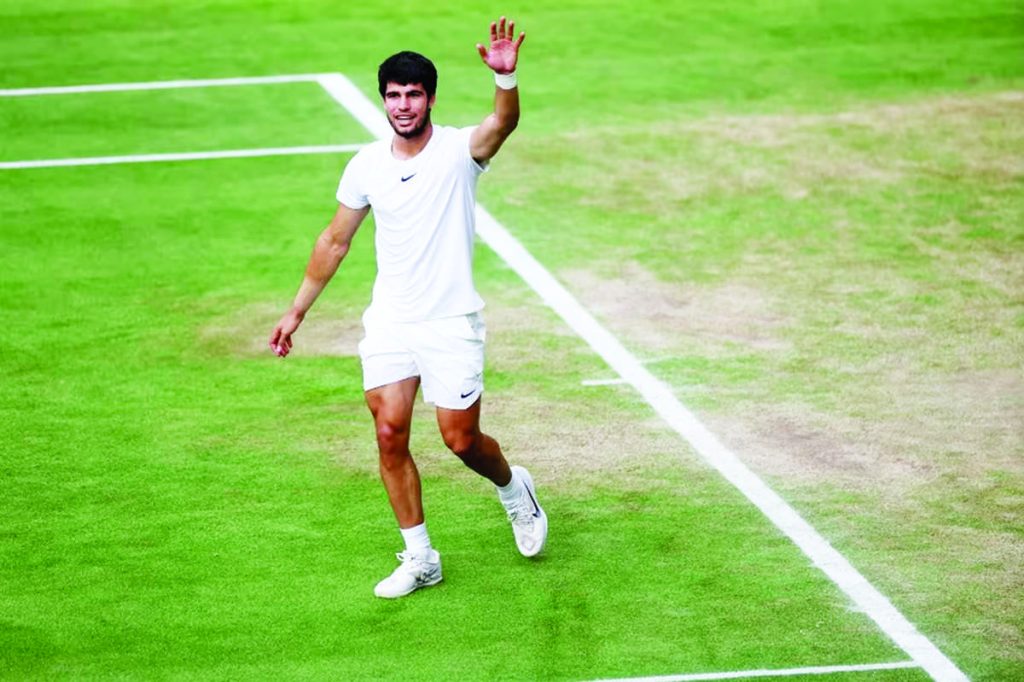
(529, 522)
(415, 571)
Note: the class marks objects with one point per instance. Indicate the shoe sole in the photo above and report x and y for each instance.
(410, 591)
(543, 518)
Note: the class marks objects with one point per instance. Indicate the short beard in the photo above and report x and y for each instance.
(415, 132)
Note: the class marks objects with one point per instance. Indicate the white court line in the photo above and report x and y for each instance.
(182, 156)
(159, 85)
(782, 672)
(663, 400)
(355, 102)
(619, 380)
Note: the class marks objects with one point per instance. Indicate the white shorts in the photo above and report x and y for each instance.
(447, 354)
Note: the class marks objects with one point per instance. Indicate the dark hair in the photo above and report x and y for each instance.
(405, 68)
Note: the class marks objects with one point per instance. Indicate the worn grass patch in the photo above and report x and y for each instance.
(840, 295)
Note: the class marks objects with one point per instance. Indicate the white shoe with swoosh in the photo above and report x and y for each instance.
(529, 522)
(416, 571)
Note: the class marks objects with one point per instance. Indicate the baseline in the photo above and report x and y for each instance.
(661, 398)
(780, 672)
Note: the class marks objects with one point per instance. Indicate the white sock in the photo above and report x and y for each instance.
(511, 493)
(416, 539)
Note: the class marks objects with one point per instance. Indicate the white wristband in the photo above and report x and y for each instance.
(505, 81)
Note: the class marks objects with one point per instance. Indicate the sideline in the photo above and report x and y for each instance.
(663, 400)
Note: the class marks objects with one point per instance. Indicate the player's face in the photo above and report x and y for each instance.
(408, 108)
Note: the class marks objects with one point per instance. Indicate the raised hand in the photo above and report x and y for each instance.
(503, 53)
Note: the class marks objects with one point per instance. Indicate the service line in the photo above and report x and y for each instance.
(181, 156)
(160, 85)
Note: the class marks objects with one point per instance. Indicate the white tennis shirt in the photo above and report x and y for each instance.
(423, 211)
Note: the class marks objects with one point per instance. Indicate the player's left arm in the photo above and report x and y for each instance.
(501, 58)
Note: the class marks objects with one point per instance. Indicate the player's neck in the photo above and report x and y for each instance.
(403, 148)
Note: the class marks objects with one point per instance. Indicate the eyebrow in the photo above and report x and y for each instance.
(414, 91)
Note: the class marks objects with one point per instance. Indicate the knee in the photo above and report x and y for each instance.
(462, 443)
(392, 441)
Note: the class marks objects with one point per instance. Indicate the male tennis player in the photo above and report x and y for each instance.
(423, 327)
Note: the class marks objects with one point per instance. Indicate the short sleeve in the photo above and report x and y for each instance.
(349, 191)
(464, 136)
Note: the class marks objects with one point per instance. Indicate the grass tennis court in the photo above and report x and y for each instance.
(808, 226)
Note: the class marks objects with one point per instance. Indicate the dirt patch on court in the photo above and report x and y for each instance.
(579, 444)
(930, 430)
(931, 402)
(327, 330)
(678, 160)
(570, 443)
(575, 434)
(873, 284)
(917, 426)
(672, 317)
(1003, 272)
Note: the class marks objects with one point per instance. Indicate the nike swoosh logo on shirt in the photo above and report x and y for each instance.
(408, 177)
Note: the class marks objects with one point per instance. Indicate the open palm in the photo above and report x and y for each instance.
(503, 53)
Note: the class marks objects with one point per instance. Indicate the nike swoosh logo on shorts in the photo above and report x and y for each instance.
(466, 395)
(408, 177)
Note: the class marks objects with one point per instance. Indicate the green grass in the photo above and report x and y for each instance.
(180, 504)
(200, 498)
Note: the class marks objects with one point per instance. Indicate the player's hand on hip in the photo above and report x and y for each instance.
(503, 53)
(281, 337)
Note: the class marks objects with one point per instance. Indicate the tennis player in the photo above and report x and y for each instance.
(423, 327)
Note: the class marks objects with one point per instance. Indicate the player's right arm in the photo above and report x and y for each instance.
(330, 249)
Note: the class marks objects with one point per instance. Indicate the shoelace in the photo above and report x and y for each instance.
(411, 561)
(413, 564)
(522, 513)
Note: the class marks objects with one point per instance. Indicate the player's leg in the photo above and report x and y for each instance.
(450, 359)
(481, 453)
(391, 406)
(390, 380)
(460, 430)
